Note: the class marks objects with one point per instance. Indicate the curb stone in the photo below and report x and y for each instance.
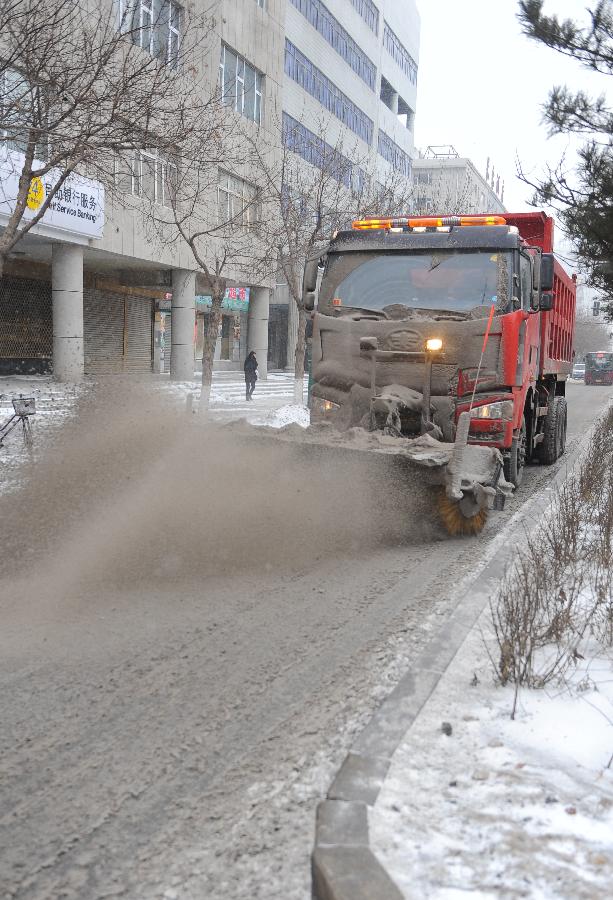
(343, 866)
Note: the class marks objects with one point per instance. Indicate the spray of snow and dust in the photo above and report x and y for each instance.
(134, 491)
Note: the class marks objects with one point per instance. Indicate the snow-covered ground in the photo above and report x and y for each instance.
(54, 404)
(272, 405)
(228, 397)
(477, 804)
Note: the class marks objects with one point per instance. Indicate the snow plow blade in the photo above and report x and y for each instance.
(456, 483)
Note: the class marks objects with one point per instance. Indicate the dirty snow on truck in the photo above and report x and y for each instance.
(452, 332)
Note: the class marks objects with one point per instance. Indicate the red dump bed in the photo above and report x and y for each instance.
(558, 325)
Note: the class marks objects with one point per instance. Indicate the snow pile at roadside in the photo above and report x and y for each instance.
(501, 807)
(504, 785)
(292, 414)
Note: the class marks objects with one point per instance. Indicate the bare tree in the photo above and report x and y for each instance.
(86, 88)
(216, 210)
(590, 334)
(316, 185)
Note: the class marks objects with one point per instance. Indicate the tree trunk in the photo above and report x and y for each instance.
(211, 332)
(299, 359)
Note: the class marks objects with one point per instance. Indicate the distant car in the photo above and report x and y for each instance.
(578, 373)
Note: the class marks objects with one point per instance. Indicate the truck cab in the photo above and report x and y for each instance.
(421, 319)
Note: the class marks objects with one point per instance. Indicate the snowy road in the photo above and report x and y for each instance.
(169, 737)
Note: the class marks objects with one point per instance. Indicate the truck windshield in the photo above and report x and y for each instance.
(447, 281)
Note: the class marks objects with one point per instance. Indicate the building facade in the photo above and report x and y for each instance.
(445, 182)
(350, 72)
(87, 291)
(80, 298)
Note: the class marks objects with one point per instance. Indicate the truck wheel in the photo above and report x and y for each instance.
(554, 441)
(515, 462)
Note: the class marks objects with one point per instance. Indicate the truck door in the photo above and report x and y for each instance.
(532, 337)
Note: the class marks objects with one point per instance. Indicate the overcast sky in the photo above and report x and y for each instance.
(482, 84)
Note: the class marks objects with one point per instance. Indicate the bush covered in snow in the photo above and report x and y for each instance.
(555, 604)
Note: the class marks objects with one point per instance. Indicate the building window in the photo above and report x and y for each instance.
(314, 150)
(394, 155)
(23, 110)
(241, 85)
(261, 3)
(314, 82)
(399, 54)
(154, 25)
(237, 201)
(320, 17)
(147, 174)
(369, 12)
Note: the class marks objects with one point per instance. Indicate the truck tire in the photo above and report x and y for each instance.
(554, 441)
(515, 462)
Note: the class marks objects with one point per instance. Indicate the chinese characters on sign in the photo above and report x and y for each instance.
(236, 298)
(76, 208)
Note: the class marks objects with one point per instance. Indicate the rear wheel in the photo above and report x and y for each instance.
(554, 440)
(515, 462)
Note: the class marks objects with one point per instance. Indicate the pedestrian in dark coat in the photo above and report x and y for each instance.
(251, 375)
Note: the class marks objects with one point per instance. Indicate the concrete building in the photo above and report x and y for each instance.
(95, 295)
(351, 66)
(88, 292)
(446, 182)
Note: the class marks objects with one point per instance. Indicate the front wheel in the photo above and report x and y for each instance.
(515, 462)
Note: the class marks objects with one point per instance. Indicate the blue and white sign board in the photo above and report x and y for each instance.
(76, 212)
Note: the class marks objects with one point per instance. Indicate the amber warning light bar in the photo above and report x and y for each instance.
(426, 222)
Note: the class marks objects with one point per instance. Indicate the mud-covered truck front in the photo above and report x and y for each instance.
(458, 329)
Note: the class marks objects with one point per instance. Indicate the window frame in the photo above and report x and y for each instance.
(162, 171)
(239, 94)
(165, 26)
(241, 201)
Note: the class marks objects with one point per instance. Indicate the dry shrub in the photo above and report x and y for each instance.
(558, 586)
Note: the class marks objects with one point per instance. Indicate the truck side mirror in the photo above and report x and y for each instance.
(547, 261)
(309, 283)
(546, 302)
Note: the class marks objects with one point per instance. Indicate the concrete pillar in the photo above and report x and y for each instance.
(67, 294)
(183, 325)
(257, 328)
(292, 333)
(394, 102)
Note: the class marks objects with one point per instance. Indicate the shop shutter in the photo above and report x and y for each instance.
(103, 322)
(167, 341)
(139, 334)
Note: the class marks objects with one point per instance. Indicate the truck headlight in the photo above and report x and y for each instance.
(324, 407)
(501, 409)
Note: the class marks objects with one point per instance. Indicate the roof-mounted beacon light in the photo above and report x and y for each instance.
(407, 222)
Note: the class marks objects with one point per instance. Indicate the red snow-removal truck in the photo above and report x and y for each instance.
(453, 335)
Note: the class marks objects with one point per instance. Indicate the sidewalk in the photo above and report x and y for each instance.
(272, 404)
(443, 796)
(477, 804)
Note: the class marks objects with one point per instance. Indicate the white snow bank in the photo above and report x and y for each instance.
(292, 414)
(503, 808)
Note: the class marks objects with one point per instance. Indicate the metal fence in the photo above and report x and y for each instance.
(26, 334)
